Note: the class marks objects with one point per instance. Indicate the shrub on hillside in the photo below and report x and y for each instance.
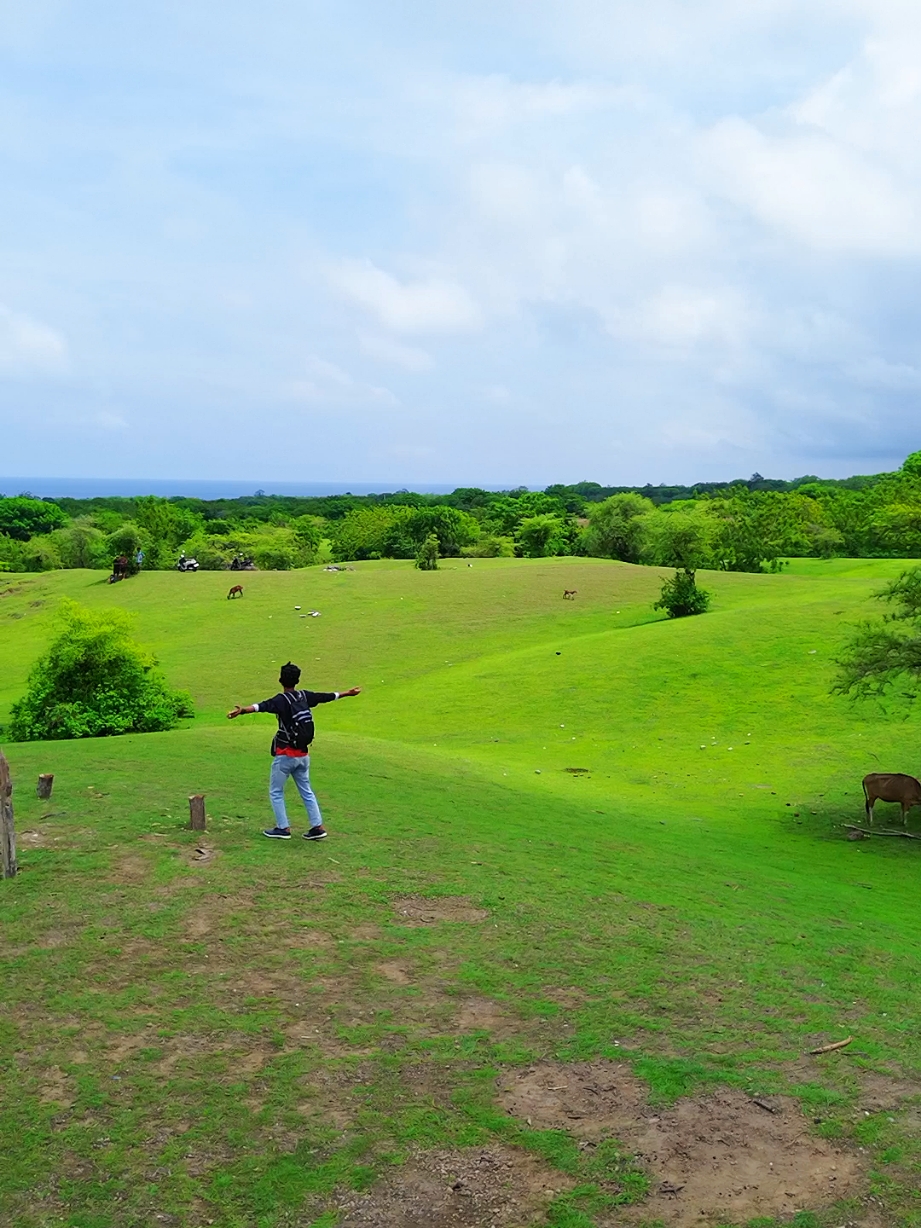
(40, 554)
(274, 556)
(427, 558)
(681, 597)
(81, 544)
(490, 546)
(95, 681)
(615, 529)
(885, 653)
(541, 535)
(128, 539)
(22, 517)
(11, 552)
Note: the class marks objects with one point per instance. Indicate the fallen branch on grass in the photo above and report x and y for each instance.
(882, 831)
(838, 1044)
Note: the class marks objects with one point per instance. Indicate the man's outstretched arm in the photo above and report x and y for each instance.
(326, 697)
(238, 711)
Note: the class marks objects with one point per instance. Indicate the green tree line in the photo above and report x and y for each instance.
(748, 525)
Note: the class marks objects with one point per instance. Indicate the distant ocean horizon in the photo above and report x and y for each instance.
(198, 488)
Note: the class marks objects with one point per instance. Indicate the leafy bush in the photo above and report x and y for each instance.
(81, 544)
(128, 539)
(540, 536)
(886, 653)
(427, 558)
(274, 556)
(22, 517)
(11, 552)
(615, 530)
(681, 597)
(679, 537)
(40, 554)
(213, 553)
(167, 525)
(95, 681)
(490, 546)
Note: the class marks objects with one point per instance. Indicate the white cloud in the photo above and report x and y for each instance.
(682, 316)
(108, 421)
(878, 373)
(826, 195)
(433, 305)
(410, 357)
(327, 383)
(27, 344)
(485, 104)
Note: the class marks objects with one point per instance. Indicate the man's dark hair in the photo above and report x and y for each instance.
(290, 675)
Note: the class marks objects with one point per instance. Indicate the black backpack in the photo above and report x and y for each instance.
(297, 727)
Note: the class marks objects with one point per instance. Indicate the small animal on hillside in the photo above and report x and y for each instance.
(891, 787)
(569, 594)
(236, 591)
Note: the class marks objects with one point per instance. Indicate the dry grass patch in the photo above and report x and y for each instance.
(492, 1186)
(721, 1157)
(414, 911)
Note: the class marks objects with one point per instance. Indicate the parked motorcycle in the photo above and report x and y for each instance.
(185, 564)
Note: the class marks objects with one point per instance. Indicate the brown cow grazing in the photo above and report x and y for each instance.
(891, 787)
(569, 594)
(236, 591)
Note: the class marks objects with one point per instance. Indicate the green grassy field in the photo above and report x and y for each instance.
(237, 1031)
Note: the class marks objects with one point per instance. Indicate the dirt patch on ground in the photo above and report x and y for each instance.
(397, 971)
(590, 1099)
(457, 1189)
(476, 1014)
(415, 910)
(718, 1157)
(201, 854)
(879, 1092)
(57, 1088)
(130, 868)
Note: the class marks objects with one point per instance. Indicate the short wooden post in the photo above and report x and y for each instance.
(7, 830)
(45, 785)
(197, 812)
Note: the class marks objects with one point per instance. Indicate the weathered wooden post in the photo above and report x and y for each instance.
(197, 812)
(7, 830)
(45, 785)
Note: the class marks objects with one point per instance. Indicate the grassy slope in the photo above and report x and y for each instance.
(670, 898)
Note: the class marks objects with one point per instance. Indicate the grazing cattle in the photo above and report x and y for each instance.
(891, 787)
(236, 591)
(569, 594)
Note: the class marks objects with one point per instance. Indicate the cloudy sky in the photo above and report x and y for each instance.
(472, 241)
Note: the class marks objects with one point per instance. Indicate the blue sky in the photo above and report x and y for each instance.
(491, 243)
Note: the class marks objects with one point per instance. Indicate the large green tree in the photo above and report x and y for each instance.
(884, 654)
(22, 517)
(615, 529)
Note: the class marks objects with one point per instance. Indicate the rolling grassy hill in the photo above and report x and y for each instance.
(238, 1032)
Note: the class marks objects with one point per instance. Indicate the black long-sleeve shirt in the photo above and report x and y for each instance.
(293, 711)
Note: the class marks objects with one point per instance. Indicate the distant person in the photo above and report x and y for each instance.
(290, 749)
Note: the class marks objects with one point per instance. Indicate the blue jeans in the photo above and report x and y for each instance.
(298, 769)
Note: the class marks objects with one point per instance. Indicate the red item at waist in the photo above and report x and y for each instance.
(291, 752)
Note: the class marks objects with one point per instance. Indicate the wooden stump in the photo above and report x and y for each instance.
(45, 785)
(7, 830)
(197, 812)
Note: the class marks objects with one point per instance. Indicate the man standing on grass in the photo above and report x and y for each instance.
(291, 749)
